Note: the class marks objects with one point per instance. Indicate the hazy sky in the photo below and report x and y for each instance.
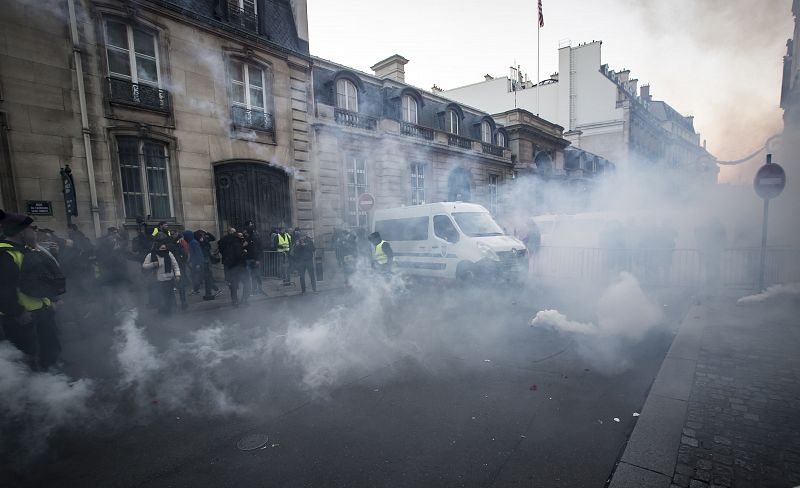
(719, 60)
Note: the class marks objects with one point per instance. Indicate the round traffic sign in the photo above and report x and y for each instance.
(366, 201)
(770, 181)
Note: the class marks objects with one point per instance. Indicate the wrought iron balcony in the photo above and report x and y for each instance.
(414, 130)
(354, 119)
(458, 141)
(240, 17)
(492, 149)
(255, 119)
(138, 95)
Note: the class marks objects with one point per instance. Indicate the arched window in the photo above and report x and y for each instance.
(486, 132)
(409, 107)
(346, 95)
(501, 139)
(453, 121)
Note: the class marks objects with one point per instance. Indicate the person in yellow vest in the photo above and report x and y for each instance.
(28, 322)
(161, 228)
(283, 244)
(382, 254)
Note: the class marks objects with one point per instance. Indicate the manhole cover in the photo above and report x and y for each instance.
(252, 441)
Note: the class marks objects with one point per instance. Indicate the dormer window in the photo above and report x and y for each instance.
(452, 122)
(486, 132)
(409, 108)
(346, 95)
(501, 139)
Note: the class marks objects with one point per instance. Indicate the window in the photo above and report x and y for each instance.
(453, 122)
(247, 85)
(356, 174)
(144, 171)
(501, 139)
(444, 229)
(411, 229)
(477, 224)
(409, 109)
(132, 54)
(346, 95)
(417, 184)
(486, 132)
(493, 193)
(249, 92)
(243, 13)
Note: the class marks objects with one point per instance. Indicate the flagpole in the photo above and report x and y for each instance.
(538, 50)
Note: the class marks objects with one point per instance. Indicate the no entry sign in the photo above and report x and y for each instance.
(770, 181)
(366, 201)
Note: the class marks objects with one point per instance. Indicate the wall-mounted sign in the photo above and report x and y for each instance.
(40, 207)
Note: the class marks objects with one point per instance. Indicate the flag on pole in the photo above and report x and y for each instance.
(541, 15)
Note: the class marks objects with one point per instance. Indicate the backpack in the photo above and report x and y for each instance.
(40, 276)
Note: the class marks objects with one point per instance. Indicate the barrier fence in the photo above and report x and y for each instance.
(725, 267)
(278, 265)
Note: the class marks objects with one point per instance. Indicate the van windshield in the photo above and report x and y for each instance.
(477, 224)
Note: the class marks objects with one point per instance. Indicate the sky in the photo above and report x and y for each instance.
(719, 60)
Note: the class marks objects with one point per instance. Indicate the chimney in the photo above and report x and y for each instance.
(436, 89)
(645, 94)
(391, 68)
(623, 75)
(488, 77)
(554, 76)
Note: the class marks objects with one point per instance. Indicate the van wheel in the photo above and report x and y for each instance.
(465, 273)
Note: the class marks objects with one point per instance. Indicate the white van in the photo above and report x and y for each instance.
(450, 240)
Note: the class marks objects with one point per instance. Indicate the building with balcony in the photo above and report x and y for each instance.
(374, 133)
(601, 111)
(195, 112)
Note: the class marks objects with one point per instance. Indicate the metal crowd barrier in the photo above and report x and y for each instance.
(278, 265)
(736, 267)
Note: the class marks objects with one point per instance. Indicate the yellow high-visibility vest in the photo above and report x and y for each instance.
(378, 255)
(283, 242)
(28, 302)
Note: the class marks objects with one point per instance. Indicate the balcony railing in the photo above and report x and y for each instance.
(138, 94)
(251, 119)
(492, 149)
(414, 130)
(354, 119)
(242, 18)
(458, 141)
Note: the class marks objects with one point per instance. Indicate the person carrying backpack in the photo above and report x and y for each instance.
(32, 281)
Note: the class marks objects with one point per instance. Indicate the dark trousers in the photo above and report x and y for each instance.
(237, 276)
(208, 279)
(38, 340)
(254, 270)
(163, 296)
(182, 284)
(306, 266)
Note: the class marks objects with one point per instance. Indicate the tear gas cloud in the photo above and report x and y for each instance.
(624, 316)
(788, 289)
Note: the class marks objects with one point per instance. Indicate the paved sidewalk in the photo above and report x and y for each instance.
(724, 410)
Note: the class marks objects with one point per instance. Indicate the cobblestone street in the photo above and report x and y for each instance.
(742, 428)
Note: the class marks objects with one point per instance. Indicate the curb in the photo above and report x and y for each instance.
(651, 453)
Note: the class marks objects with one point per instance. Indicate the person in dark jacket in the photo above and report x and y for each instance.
(28, 322)
(303, 259)
(180, 249)
(205, 239)
(254, 253)
(195, 261)
(234, 258)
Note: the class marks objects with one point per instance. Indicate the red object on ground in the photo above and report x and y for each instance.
(534, 387)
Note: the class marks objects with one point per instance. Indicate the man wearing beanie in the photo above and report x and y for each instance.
(28, 321)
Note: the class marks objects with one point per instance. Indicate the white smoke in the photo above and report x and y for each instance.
(771, 292)
(351, 341)
(38, 402)
(624, 315)
(191, 375)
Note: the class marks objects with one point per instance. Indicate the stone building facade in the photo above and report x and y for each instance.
(195, 112)
(374, 133)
